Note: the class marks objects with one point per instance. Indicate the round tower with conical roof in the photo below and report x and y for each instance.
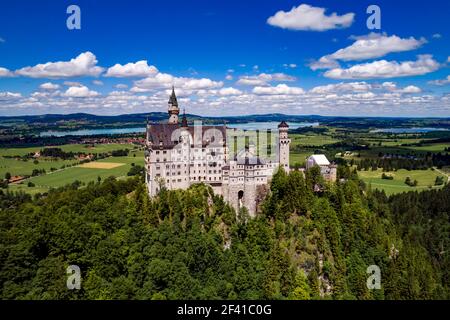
(174, 111)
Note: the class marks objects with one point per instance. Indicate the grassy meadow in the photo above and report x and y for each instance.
(425, 179)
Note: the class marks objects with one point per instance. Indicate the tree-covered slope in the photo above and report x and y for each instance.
(191, 245)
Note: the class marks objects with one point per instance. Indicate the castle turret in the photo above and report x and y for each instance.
(283, 145)
(174, 111)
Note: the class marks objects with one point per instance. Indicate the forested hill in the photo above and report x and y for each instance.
(191, 245)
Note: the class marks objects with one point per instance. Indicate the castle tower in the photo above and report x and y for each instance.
(173, 108)
(283, 145)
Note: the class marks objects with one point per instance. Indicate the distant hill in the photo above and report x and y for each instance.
(140, 118)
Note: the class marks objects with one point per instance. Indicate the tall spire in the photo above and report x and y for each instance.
(173, 98)
(173, 108)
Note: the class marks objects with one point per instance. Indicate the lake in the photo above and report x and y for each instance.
(247, 126)
(408, 130)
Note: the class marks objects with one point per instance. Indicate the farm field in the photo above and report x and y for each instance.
(312, 140)
(435, 147)
(19, 167)
(98, 148)
(111, 166)
(425, 179)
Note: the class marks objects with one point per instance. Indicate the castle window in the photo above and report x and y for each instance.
(157, 152)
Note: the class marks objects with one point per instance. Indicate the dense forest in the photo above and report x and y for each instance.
(189, 244)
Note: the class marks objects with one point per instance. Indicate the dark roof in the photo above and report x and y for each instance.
(283, 124)
(163, 133)
(173, 98)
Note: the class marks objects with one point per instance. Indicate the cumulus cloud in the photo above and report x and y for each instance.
(4, 96)
(362, 86)
(385, 69)
(5, 73)
(229, 91)
(97, 82)
(121, 86)
(352, 98)
(80, 92)
(281, 89)
(375, 46)
(342, 87)
(84, 64)
(306, 17)
(410, 89)
(49, 86)
(229, 77)
(165, 80)
(324, 63)
(440, 82)
(263, 79)
(371, 46)
(137, 69)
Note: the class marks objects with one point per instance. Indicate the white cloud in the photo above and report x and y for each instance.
(98, 82)
(49, 86)
(280, 89)
(5, 73)
(306, 17)
(361, 87)
(2, 40)
(229, 91)
(197, 84)
(375, 46)
(437, 36)
(165, 80)
(410, 89)
(342, 87)
(121, 86)
(138, 69)
(84, 64)
(324, 63)
(371, 46)
(263, 79)
(4, 96)
(386, 69)
(441, 82)
(229, 77)
(80, 92)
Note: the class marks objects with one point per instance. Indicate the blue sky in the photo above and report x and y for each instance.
(226, 57)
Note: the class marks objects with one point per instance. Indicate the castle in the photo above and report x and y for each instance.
(178, 155)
